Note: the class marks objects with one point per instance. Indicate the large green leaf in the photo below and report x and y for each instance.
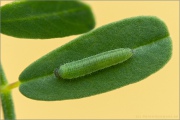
(6, 99)
(45, 19)
(146, 36)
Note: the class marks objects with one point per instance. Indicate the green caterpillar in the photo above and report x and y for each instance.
(93, 63)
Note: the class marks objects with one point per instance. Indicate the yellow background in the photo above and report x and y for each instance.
(156, 97)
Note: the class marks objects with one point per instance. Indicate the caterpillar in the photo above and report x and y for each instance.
(93, 63)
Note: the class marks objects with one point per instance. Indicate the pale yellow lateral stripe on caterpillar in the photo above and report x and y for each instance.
(93, 63)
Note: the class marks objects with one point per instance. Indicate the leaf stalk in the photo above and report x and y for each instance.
(9, 87)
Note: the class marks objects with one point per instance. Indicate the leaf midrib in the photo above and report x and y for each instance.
(43, 15)
(132, 48)
(152, 42)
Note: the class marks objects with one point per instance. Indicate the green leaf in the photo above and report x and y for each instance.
(45, 19)
(147, 36)
(6, 99)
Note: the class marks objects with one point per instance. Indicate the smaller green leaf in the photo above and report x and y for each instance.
(6, 99)
(45, 19)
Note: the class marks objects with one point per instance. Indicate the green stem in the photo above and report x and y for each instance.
(5, 95)
(9, 87)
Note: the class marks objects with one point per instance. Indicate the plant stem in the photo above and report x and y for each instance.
(5, 95)
(9, 87)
